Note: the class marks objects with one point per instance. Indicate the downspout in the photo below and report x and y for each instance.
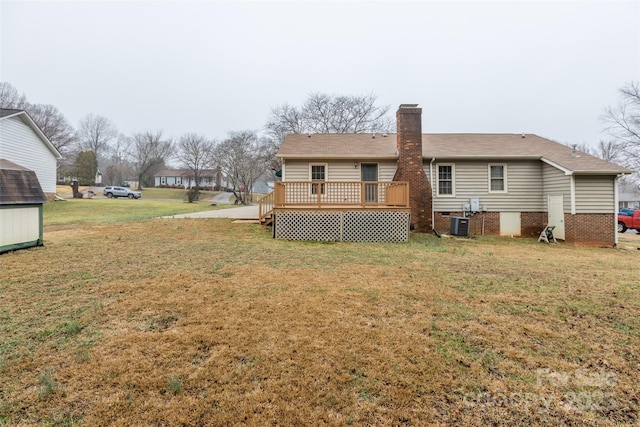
(615, 210)
(573, 194)
(433, 210)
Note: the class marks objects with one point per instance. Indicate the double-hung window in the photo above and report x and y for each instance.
(497, 178)
(446, 180)
(318, 172)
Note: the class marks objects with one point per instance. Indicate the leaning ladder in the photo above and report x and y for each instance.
(547, 235)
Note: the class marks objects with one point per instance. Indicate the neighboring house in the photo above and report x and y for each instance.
(22, 142)
(184, 178)
(505, 184)
(629, 195)
(263, 185)
(21, 199)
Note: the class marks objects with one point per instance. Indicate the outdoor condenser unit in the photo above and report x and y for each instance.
(459, 226)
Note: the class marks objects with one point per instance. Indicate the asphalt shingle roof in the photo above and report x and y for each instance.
(19, 185)
(4, 112)
(445, 146)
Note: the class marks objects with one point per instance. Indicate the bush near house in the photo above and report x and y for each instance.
(207, 322)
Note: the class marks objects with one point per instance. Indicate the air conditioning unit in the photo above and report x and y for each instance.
(459, 226)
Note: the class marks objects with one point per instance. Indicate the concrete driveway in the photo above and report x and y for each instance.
(243, 212)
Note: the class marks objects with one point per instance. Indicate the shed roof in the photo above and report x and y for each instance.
(447, 146)
(19, 185)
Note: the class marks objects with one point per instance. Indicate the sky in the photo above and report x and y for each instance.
(210, 67)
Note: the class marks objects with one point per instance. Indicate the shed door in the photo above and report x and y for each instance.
(369, 172)
(556, 215)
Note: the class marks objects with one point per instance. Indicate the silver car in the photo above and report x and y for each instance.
(112, 191)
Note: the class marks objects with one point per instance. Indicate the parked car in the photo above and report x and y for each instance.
(629, 222)
(112, 191)
(627, 211)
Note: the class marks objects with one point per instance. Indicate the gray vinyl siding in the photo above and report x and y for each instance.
(471, 180)
(19, 144)
(594, 194)
(337, 170)
(556, 182)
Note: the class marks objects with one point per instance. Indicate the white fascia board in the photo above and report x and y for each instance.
(557, 166)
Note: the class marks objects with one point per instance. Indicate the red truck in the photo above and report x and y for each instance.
(629, 222)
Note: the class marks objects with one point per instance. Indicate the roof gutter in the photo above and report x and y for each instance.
(335, 157)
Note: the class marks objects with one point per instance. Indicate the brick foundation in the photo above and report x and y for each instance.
(491, 223)
(532, 223)
(590, 229)
(580, 229)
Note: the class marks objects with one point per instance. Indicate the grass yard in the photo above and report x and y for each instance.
(79, 212)
(207, 322)
(173, 193)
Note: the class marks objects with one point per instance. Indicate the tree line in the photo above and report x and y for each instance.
(243, 156)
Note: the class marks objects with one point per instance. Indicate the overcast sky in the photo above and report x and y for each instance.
(210, 67)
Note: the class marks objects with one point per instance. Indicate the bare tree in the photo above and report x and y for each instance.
(53, 124)
(11, 98)
(608, 150)
(196, 154)
(149, 152)
(241, 159)
(48, 118)
(285, 119)
(323, 113)
(95, 133)
(345, 114)
(116, 159)
(623, 124)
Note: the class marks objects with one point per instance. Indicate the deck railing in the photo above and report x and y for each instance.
(328, 194)
(265, 206)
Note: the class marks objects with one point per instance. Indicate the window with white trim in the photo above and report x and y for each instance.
(497, 178)
(318, 172)
(446, 179)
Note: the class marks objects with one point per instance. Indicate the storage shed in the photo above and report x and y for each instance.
(21, 202)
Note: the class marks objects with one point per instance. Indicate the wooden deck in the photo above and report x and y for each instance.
(334, 195)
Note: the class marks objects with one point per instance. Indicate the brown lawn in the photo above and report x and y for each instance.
(205, 322)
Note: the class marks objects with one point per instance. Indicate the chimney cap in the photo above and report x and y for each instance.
(408, 105)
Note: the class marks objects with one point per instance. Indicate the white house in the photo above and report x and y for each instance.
(22, 142)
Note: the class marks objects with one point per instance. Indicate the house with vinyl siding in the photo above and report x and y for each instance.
(22, 142)
(504, 184)
(184, 178)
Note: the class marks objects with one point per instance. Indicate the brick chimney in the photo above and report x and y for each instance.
(409, 142)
